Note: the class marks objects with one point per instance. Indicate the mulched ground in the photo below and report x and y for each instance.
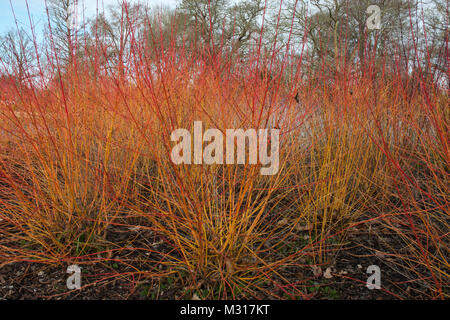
(110, 280)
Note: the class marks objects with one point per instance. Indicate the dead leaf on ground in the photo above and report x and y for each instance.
(327, 274)
(317, 271)
(299, 227)
(229, 265)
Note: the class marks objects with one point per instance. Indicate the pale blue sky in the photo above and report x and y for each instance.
(39, 17)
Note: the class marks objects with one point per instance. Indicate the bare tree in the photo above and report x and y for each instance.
(116, 32)
(64, 30)
(222, 22)
(437, 22)
(206, 18)
(17, 55)
(334, 25)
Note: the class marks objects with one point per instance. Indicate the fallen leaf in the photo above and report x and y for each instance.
(327, 274)
(134, 229)
(299, 227)
(229, 265)
(317, 271)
